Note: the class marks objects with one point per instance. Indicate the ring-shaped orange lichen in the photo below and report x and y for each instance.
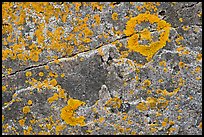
(147, 50)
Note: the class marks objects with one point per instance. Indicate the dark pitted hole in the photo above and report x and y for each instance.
(125, 107)
(147, 115)
(162, 13)
(96, 116)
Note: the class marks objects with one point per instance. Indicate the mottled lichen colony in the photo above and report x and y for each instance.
(57, 57)
(150, 49)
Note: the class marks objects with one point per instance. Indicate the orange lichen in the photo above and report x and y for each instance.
(62, 75)
(53, 98)
(28, 74)
(171, 129)
(68, 115)
(26, 109)
(30, 102)
(114, 102)
(21, 122)
(53, 82)
(3, 118)
(151, 102)
(9, 70)
(179, 39)
(181, 19)
(101, 119)
(200, 125)
(153, 47)
(41, 74)
(162, 63)
(199, 57)
(142, 106)
(147, 83)
(3, 88)
(97, 19)
(171, 122)
(61, 93)
(59, 128)
(145, 34)
(115, 16)
(181, 64)
(198, 69)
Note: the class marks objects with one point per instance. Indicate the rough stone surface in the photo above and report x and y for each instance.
(54, 52)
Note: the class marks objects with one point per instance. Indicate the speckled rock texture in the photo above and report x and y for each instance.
(101, 68)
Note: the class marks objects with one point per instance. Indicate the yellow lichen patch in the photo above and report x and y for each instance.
(165, 69)
(142, 106)
(41, 74)
(97, 19)
(46, 67)
(186, 52)
(26, 109)
(30, 102)
(200, 125)
(162, 63)
(160, 80)
(53, 98)
(179, 39)
(62, 75)
(152, 129)
(114, 102)
(181, 64)
(28, 131)
(166, 93)
(199, 57)
(100, 52)
(67, 113)
(124, 54)
(172, 129)
(101, 119)
(164, 124)
(149, 91)
(179, 117)
(181, 19)
(147, 83)
(171, 122)
(153, 47)
(125, 117)
(133, 133)
(115, 16)
(61, 93)
(59, 128)
(53, 82)
(28, 74)
(198, 69)
(3, 118)
(199, 14)
(9, 70)
(198, 78)
(151, 102)
(185, 28)
(181, 48)
(21, 122)
(3, 88)
(158, 114)
(145, 34)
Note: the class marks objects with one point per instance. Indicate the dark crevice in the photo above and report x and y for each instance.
(65, 56)
(162, 13)
(28, 68)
